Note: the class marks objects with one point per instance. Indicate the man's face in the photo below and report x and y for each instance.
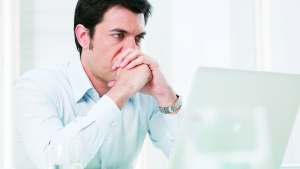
(119, 30)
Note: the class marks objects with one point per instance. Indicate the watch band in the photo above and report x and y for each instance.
(174, 107)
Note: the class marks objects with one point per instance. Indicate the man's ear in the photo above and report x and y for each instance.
(83, 37)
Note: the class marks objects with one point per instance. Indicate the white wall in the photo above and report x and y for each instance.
(47, 33)
(8, 53)
(1, 86)
(210, 33)
(183, 36)
(285, 34)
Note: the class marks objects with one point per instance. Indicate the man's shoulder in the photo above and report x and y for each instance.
(43, 73)
(52, 78)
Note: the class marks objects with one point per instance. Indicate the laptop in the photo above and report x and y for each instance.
(237, 119)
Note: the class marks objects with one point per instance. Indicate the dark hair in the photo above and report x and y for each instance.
(90, 12)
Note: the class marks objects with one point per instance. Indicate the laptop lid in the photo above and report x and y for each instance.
(237, 119)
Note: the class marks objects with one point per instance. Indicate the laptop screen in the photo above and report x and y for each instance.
(237, 119)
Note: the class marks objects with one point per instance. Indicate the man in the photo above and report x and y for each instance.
(105, 101)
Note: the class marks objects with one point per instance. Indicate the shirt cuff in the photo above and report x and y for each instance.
(173, 122)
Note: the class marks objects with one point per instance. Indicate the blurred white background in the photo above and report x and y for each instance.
(181, 35)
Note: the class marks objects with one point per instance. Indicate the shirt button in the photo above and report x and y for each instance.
(114, 124)
(105, 138)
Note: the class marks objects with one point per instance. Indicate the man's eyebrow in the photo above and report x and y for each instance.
(126, 32)
(119, 30)
(142, 34)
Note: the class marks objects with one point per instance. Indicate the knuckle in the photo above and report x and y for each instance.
(144, 66)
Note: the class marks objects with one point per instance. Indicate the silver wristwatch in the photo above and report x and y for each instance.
(174, 107)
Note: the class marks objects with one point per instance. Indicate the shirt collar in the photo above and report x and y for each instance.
(79, 80)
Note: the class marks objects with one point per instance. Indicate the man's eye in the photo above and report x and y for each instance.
(118, 36)
(139, 39)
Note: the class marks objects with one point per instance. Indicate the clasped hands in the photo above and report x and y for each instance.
(137, 72)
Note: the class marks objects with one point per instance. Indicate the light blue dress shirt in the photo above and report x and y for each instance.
(58, 105)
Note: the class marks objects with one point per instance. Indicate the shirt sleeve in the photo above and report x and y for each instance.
(42, 128)
(163, 130)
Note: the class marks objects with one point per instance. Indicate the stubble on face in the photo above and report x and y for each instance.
(91, 46)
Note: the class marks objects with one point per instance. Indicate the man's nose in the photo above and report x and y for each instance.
(130, 43)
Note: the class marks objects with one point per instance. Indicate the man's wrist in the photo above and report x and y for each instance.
(169, 103)
(166, 98)
(119, 94)
(176, 106)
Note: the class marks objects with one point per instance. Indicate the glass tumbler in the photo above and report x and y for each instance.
(63, 156)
